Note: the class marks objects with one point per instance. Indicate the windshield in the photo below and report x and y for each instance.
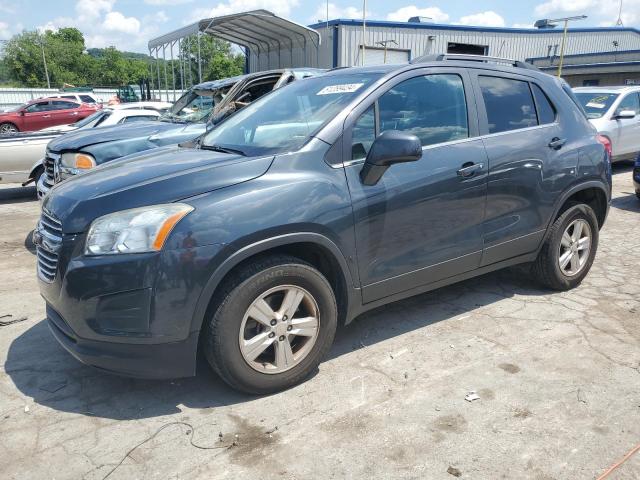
(195, 107)
(94, 119)
(596, 104)
(285, 119)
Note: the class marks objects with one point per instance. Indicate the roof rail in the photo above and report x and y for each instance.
(473, 58)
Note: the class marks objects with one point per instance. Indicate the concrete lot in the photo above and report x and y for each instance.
(558, 375)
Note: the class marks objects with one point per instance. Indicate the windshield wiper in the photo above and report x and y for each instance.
(219, 148)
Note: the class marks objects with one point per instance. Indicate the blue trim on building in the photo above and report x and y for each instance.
(576, 55)
(438, 26)
(590, 65)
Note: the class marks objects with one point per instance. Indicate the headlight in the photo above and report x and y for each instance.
(79, 161)
(134, 231)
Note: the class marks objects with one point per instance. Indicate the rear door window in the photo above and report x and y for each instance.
(87, 99)
(63, 105)
(508, 102)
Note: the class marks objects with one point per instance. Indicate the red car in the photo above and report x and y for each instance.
(43, 113)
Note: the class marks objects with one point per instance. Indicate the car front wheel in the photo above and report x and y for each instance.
(7, 128)
(274, 321)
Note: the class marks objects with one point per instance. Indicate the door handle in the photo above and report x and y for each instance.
(469, 169)
(557, 143)
(46, 116)
(74, 113)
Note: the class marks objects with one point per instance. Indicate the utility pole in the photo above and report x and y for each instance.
(364, 29)
(44, 60)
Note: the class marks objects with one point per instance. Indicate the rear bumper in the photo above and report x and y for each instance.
(155, 361)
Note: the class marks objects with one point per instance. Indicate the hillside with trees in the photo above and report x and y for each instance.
(70, 62)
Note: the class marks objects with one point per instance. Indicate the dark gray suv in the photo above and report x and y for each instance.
(322, 200)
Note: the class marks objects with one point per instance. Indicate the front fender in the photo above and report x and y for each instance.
(235, 258)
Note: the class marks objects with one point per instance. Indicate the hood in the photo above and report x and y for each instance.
(79, 139)
(162, 175)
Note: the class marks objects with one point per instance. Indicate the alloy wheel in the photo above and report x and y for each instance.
(279, 329)
(575, 247)
(7, 128)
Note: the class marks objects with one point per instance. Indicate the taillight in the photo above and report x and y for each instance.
(607, 144)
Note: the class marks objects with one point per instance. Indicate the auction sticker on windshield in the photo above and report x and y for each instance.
(344, 88)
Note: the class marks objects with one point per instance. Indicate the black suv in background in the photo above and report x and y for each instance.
(322, 200)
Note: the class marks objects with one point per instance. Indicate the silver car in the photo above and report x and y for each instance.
(615, 112)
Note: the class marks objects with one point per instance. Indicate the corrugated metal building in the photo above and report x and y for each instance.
(603, 56)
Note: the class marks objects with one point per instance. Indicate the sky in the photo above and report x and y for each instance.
(129, 24)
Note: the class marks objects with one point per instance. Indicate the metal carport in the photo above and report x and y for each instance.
(269, 42)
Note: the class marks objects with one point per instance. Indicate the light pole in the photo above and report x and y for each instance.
(44, 60)
(547, 23)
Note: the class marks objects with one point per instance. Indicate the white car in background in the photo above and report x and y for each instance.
(124, 113)
(81, 97)
(615, 112)
(21, 154)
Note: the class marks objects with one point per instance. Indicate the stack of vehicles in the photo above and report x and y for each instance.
(322, 200)
(21, 154)
(198, 110)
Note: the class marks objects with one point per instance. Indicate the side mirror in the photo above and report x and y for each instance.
(624, 114)
(389, 148)
(22, 112)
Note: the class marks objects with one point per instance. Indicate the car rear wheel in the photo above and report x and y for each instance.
(274, 321)
(6, 128)
(568, 253)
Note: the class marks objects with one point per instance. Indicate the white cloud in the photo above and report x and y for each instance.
(103, 26)
(403, 14)
(483, 19)
(166, 2)
(117, 22)
(522, 25)
(565, 6)
(158, 17)
(5, 32)
(279, 7)
(336, 12)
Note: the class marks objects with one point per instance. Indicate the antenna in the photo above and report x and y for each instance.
(619, 21)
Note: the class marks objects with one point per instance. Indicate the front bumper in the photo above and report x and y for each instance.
(159, 361)
(128, 314)
(42, 187)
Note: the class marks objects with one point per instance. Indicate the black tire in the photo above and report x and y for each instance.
(7, 128)
(546, 267)
(221, 345)
(638, 195)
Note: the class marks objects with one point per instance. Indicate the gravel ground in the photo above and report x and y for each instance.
(558, 376)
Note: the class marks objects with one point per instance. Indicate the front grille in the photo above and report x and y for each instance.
(50, 230)
(49, 168)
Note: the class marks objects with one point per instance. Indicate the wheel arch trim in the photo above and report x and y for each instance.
(262, 246)
(599, 184)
